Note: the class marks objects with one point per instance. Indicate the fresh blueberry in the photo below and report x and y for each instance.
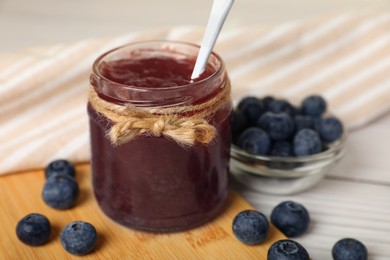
(287, 249)
(282, 149)
(239, 124)
(282, 105)
(306, 142)
(34, 229)
(60, 191)
(279, 126)
(291, 218)
(313, 105)
(79, 238)
(252, 108)
(60, 167)
(255, 141)
(330, 129)
(266, 101)
(250, 227)
(302, 121)
(246, 101)
(349, 248)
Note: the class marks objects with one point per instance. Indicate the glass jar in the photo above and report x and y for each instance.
(152, 182)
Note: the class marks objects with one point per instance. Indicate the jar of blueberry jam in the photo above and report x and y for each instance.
(155, 181)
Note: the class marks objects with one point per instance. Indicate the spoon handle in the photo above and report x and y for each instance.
(219, 12)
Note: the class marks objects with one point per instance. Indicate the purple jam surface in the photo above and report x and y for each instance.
(155, 72)
(153, 183)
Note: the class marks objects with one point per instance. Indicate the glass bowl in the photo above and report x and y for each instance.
(284, 175)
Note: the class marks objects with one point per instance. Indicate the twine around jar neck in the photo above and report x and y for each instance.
(129, 121)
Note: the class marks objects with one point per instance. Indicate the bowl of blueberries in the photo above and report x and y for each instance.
(282, 148)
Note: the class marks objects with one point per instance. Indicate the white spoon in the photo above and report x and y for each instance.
(219, 12)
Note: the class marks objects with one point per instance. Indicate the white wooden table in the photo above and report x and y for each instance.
(42, 22)
(353, 200)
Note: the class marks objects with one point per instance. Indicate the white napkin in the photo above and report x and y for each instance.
(345, 58)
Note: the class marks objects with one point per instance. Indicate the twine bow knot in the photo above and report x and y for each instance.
(129, 121)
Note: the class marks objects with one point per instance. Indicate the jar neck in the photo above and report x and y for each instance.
(188, 94)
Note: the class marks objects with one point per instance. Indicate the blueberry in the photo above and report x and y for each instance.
(349, 248)
(60, 191)
(306, 142)
(252, 108)
(302, 121)
(60, 167)
(79, 238)
(282, 105)
(279, 126)
(246, 101)
(266, 101)
(287, 249)
(250, 227)
(313, 105)
(239, 124)
(255, 141)
(330, 129)
(291, 218)
(282, 149)
(34, 229)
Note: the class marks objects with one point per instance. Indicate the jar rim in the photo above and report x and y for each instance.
(218, 70)
(192, 93)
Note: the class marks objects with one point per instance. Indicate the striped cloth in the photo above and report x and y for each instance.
(346, 58)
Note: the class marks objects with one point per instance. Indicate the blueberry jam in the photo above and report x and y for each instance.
(152, 72)
(154, 183)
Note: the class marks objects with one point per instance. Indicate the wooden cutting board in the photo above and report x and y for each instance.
(20, 195)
